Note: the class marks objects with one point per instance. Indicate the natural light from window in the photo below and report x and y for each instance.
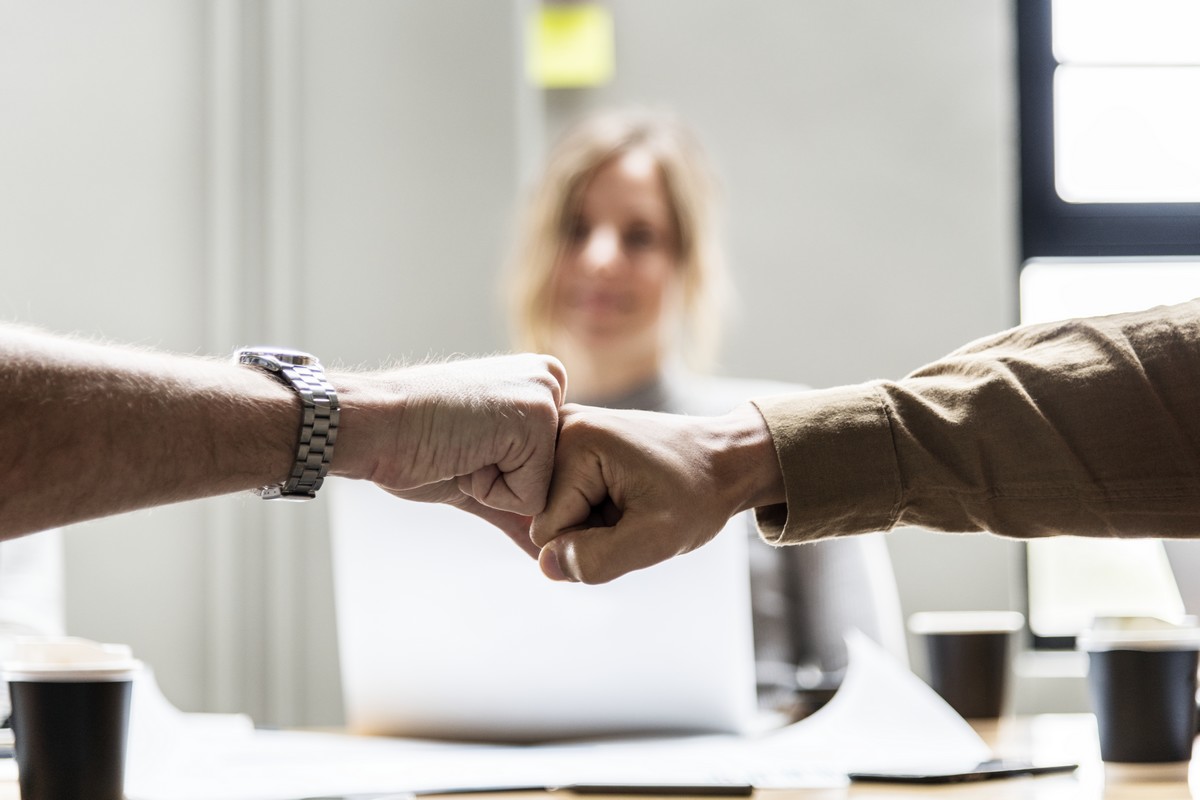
(1127, 100)
(1070, 579)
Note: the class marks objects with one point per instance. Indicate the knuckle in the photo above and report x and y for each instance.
(577, 424)
(556, 370)
(545, 410)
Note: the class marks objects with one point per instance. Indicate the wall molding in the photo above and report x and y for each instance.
(255, 638)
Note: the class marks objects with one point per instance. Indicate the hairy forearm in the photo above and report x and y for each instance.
(90, 430)
(93, 429)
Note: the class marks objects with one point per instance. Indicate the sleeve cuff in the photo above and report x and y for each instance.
(838, 457)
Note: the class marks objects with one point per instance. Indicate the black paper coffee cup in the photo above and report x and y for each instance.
(1142, 683)
(70, 718)
(969, 656)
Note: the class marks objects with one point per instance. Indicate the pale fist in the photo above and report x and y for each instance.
(478, 434)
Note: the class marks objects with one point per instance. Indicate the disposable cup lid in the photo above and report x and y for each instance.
(1140, 633)
(939, 622)
(66, 658)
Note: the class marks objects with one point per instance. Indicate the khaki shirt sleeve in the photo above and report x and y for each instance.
(1086, 427)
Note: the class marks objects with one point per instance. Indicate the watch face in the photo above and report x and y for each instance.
(270, 357)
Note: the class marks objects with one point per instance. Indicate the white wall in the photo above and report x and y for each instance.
(868, 151)
(364, 158)
(102, 231)
(410, 122)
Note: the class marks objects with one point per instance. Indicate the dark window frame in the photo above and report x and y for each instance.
(1052, 227)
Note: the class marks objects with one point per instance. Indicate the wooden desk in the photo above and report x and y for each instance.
(1045, 738)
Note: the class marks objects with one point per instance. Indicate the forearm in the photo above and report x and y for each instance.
(95, 429)
(90, 430)
(1089, 428)
(744, 460)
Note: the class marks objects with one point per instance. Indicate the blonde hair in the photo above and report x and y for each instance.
(555, 201)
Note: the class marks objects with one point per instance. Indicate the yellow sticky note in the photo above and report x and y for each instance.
(570, 45)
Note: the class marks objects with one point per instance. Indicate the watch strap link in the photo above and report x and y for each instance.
(318, 432)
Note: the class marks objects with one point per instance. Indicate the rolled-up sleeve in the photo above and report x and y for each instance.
(1086, 427)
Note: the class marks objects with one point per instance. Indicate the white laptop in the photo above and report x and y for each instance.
(446, 629)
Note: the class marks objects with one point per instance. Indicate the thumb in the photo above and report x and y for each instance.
(602, 554)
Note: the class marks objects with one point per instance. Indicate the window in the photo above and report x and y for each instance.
(1110, 127)
(1126, 98)
(1110, 213)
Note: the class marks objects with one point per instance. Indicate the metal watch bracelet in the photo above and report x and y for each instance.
(318, 422)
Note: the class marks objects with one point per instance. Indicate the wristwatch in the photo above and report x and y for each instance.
(318, 420)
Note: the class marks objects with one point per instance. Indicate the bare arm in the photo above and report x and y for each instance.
(94, 429)
(91, 430)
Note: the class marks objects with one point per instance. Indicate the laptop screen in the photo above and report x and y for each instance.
(446, 629)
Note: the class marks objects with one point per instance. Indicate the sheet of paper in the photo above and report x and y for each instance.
(882, 716)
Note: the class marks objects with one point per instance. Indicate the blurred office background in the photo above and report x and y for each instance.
(342, 176)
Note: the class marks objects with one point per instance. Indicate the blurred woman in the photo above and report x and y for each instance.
(618, 271)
